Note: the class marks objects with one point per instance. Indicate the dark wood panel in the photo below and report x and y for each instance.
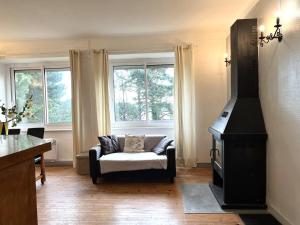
(17, 178)
(18, 194)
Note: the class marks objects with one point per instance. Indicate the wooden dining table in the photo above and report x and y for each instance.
(18, 205)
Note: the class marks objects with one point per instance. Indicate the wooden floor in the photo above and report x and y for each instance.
(68, 198)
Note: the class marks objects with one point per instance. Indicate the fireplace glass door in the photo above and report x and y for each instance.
(219, 153)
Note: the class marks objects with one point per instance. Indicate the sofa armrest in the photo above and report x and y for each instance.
(97, 150)
(94, 156)
(171, 155)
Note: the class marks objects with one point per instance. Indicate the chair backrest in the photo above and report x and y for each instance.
(14, 131)
(10, 131)
(36, 132)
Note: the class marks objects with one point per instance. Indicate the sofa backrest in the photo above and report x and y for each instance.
(150, 141)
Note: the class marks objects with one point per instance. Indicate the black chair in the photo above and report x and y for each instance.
(11, 131)
(14, 131)
(39, 159)
(36, 132)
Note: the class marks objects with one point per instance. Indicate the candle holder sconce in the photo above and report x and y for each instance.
(277, 34)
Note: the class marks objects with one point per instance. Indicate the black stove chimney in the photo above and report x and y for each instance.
(242, 114)
(244, 60)
(239, 135)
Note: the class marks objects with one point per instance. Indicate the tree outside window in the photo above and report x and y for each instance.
(58, 95)
(144, 92)
(54, 106)
(27, 83)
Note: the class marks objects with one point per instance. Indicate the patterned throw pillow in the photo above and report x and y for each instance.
(134, 143)
(161, 147)
(106, 145)
(115, 143)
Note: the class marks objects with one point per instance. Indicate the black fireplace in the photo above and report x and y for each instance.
(238, 153)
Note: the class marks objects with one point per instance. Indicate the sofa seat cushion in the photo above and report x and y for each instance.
(122, 161)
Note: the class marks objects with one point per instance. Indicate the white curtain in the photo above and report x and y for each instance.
(101, 73)
(90, 106)
(185, 115)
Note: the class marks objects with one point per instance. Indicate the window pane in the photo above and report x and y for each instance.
(27, 83)
(160, 80)
(129, 87)
(59, 95)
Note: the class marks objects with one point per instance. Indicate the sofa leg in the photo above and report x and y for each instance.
(171, 179)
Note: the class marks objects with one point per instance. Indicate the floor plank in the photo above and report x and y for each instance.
(68, 198)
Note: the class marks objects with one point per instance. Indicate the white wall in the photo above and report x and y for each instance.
(2, 84)
(211, 76)
(64, 142)
(279, 76)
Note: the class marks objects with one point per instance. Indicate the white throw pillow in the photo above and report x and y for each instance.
(134, 143)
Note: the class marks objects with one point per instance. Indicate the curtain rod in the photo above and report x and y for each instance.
(171, 49)
(66, 53)
(116, 52)
(36, 54)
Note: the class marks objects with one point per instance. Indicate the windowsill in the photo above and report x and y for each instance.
(48, 127)
(147, 128)
(57, 129)
(143, 125)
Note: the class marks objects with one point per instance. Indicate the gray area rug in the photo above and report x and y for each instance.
(198, 198)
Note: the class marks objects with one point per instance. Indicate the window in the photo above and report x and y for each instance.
(51, 92)
(143, 92)
(27, 83)
(130, 93)
(58, 95)
(160, 86)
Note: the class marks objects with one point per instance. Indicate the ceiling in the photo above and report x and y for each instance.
(61, 19)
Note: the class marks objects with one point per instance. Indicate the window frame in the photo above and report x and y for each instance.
(40, 67)
(43, 91)
(137, 62)
(46, 97)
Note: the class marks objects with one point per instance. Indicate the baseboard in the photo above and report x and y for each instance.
(58, 163)
(281, 218)
(203, 165)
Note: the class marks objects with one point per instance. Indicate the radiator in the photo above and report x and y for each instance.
(52, 155)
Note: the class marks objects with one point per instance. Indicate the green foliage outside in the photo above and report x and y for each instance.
(59, 103)
(160, 93)
(29, 83)
(131, 93)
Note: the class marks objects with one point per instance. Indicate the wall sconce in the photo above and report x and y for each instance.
(277, 34)
(227, 61)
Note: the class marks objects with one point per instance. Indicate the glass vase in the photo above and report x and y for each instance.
(5, 124)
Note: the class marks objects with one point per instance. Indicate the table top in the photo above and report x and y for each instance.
(21, 147)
